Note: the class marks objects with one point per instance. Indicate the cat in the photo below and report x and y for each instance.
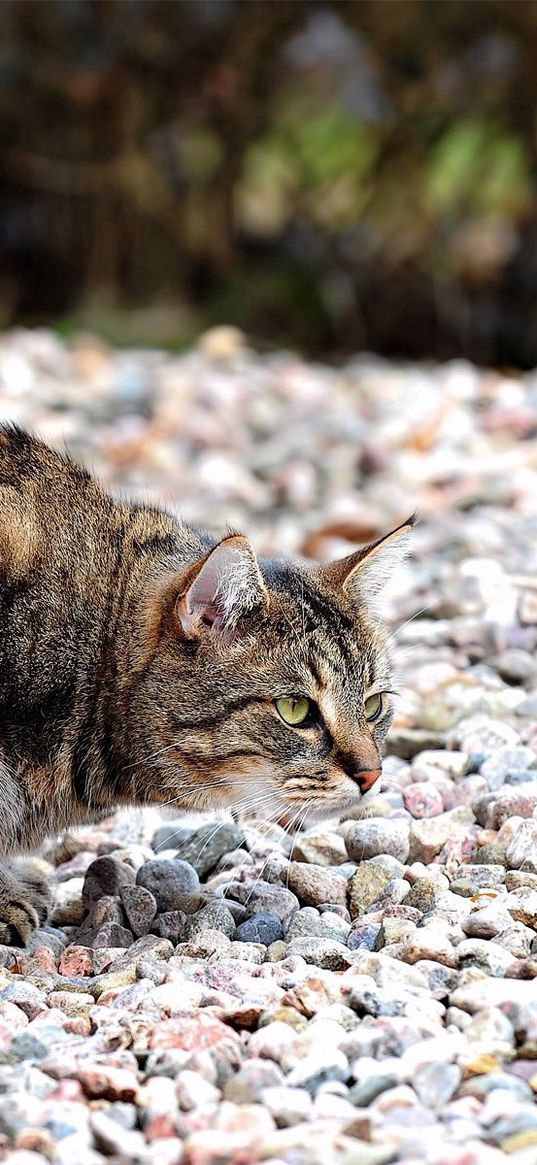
(144, 662)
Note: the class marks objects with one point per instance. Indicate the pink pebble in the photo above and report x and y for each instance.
(76, 961)
(422, 799)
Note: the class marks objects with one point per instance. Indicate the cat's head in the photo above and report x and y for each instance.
(268, 684)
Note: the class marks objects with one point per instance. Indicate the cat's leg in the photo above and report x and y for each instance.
(24, 901)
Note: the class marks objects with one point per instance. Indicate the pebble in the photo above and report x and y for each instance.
(171, 925)
(168, 882)
(111, 1137)
(194, 1091)
(365, 886)
(422, 799)
(318, 1067)
(140, 908)
(203, 847)
(322, 952)
(261, 928)
(522, 849)
(214, 916)
(522, 906)
(264, 898)
(321, 849)
(514, 665)
(368, 839)
(289, 1106)
(428, 836)
(487, 956)
(246, 1086)
(311, 922)
(314, 884)
(104, 878)
(108, 1082)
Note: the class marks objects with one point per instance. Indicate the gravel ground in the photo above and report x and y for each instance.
(211, 991)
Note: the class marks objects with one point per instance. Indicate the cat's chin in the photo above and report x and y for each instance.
(337, 811)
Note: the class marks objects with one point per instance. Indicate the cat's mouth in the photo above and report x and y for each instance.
(327, 808)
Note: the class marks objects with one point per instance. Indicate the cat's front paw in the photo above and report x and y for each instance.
(18, 920)
(24, 903)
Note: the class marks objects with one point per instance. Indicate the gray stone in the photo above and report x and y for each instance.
(481, 875)
(105, 877)
(321, 849)
(522, 850)
(481, 734)
(140, 908)
(288, 1106)
(322, 952)
(171, 924)
(309, 922)
(522, 906)
(490, 992)
(435, 1084)
(374, 836)
(112, 1138)
(246, 1085)
(364, 1093)
(515, 879)
(214, 916)
(506, 803)
(264, 898)
(424, 893)
(495, 854)
(512, 1129)
(315, 884)
(204, 847)
(514, 665)
(481, 1086)
(363, 936)
(506, 761)
(487, 922)
(111, 934)
(318, 1068)
(25, 996)
(488, 956)
(366, 885)
(168, 882)
(261, 928)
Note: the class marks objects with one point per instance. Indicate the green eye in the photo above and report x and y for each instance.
(373, 707)
(293, 709)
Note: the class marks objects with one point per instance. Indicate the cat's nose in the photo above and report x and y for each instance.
(366, 778)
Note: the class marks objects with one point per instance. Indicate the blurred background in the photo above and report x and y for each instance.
(331, 176)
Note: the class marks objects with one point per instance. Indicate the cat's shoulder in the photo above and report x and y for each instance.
(25, 457)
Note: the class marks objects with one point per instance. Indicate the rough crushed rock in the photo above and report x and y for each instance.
(212, 992)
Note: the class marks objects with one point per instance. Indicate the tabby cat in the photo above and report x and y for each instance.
(145, 662)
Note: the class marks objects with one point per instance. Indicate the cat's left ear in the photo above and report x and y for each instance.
(363, 575)
(226, 586)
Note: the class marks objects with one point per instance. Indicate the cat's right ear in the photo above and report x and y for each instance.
(222, 589)
(363, 575)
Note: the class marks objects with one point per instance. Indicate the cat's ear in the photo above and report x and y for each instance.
(363, 575)
(225, 586)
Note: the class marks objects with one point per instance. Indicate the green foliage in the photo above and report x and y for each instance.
(315, 173)
(475, 168)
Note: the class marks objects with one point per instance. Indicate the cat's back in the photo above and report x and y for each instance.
(46, 503)
(56, 554)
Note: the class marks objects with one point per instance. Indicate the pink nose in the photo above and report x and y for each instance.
(365, 778)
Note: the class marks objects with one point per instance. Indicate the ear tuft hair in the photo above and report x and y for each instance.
(379, 563)
(365, 573)
(227, 586)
